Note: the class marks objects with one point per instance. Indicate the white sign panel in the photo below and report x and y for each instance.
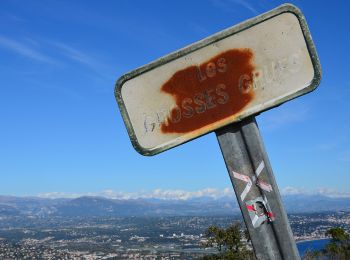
(233, 74)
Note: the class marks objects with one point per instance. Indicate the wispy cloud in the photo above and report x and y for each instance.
(332, 193)
(55, 53)
(25, 48)
(12, 17)
(327, 192)
(247, 5)
(75, 54)
(155, 194)
(293, 191)
(199, 29)
(284, 116)
(231, 5)
(83, 58)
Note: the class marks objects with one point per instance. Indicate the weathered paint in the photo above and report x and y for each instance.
(205, 94)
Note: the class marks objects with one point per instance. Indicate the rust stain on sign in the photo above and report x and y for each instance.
(218, 88)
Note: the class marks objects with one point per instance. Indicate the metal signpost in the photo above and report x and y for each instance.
(219, 84)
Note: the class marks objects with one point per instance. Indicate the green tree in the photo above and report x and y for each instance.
(338, 248)
(229, 242)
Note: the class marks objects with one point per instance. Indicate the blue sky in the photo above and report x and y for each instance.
(61, 130)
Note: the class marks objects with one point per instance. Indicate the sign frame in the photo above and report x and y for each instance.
(285, 8)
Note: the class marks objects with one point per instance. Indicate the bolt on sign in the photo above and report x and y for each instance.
(239, 72)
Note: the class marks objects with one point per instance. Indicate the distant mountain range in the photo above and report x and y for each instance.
(203, 206)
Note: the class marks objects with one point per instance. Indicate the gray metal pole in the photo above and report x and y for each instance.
(256, 190)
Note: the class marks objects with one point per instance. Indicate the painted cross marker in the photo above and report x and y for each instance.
(264, 185)
(260, 168)
(246, 179)
(260, 183)
(219, 84)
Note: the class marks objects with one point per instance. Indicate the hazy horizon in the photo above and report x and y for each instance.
(179, 194)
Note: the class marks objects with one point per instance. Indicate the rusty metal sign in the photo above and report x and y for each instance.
(241, 71)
